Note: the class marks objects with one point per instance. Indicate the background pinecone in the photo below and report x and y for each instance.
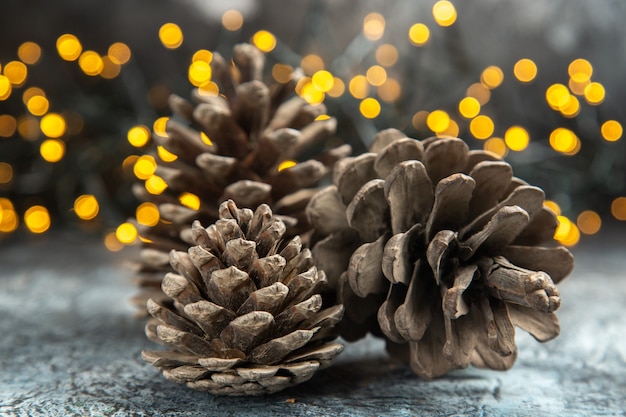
(247, 317)
(440, 247)
(251, 129)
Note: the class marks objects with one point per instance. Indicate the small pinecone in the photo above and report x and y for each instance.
(253, 127)
(247, 317)
(442, 250)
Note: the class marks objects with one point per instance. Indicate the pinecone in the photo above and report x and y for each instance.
(252, 129)
(442, 250)
(247, 317)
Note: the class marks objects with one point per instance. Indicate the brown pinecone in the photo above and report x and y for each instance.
(247, 316)
(442, 249)
(253, 127)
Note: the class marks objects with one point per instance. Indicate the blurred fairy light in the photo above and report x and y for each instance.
(390, 90)
(28, 127)
(110, 68)
(5, 88)
(370, 108)
(171, 35)
(419, 119)
(31, 92)
(552, 205)
(8, 125)
(359, 87)
(589, 222)
(29, 53)
(86, 207)
(571, 108)
(469, 107)
(264, 40)
(438, 121)
(525, 70)
(52, 150)
(444, 13)
(38, 105)
(338, 89)
(8, 217)
(147, 214)
(564, 140)
(618, 208)
(126, 233)
(145, 167)
(481, 127)
(69, 47)
(199, 73)
(189, 200)
(6, 173)
(202, 55)
(155, 185)
(386, 55)
(282, 73)
(374, 26)
(91, 63)
(311, 63)
(112, 243)
(516, 138)
(557, 96)
(16, 72)
(323, 81)
(479, 92)
(376, 75)
(37, 219)
(419, 34)
(580, 70)
(594, 93)
(159, 126)
(53, 125)
(232, 20)
(165, 155)
(611, 130)
(119, 53)
(492, 77)
(566, 233)
(497, 146)
(205, 139)
(289, 163)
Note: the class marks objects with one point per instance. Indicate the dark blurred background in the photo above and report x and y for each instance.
(403, 64)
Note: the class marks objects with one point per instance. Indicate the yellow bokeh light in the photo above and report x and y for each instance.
(69, 47)
(374, 26)
(580, 69)
(38, 105)
(28, 127)
(369, 108)
(147, 214)
(594, 93)
(52, 150)
(323, 81)
(589, 222)
(563, 140)
(496, 146)
(451, 131)
(311, 63)
(376, 75)
(110, 68)
(160, 125)
(119, 53)
(86, 207)
(578, 87)
(165, 155)
(209, 89)
(481, 127)
(286, 165)
(171, 35)
(338, 88)
(199, 73)
(390, 91)
(419, 120)
(91, 63)
(321, 117)
(516, 138)
(571, 107)
(8, 125)
(479, 92)
(469, 107)
(611, 130)
(438, 121)
(264, 40)
(189, 200)
(6, 173)
(444, 13)
(32, 92)
(232, 20)
(492, 77)
(618, 208)
(419, 34)
(138, 136)
(525, 70)
(5, 88)
(155, 185)
(29, 53)
(8, 217)
(111, 242)
(311, 94)
(282, 73)
(566, 233)
(553, 205)
(53, 125)
(16, 72)
(205, 139)
(37, 219)
(359, 87)
(386, 55)
(145, 167)
(126, 233)
(557, 96)
(202, 55)
(129, 162)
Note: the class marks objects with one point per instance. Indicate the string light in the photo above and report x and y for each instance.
(138, 136)
(496, 146)
(199, 73)
(145, 167)
(282, 73)
(8, 125)
(438, 121)
(376, 75)
(37, 219)
(419, 34)
(369, 108)
(525, 70)
(589, 222)
(481, 127)
(386, 55)
(618, 208)
(38, 105)
(190, 200)
(594, 93)
(323, 81)
(286, 165)
(516, 138)
(444, 13)
(6, 173)
(611, 130)
(469, 107)
(264, 40)
(126, 233)
(566, 233)
(91, 63)
(492, 77)
(147, 214)
(52, 150)
(359, 87)
(232, 20)
(53, 125)
(69, 47)
(311, 63)
(374, 26)
(390, 91)
(119, 53)
(86, 207)
(159, 126)
(338, 88)
(29, 53)
(171, 35)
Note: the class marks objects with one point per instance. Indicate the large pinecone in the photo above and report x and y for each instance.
(247, 317)
(440, 248)
(253, 127)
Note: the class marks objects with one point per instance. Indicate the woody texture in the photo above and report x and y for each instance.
(247, 316)
(230, 146)
(440, 250)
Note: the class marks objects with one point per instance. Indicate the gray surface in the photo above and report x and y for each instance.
(70, 347)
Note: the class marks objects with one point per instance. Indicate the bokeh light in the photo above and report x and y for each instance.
(38, 105)
(374, 26)
(232, 20)
(264, 40)
(37, 219)
(580, 70)
(492, 77)
(376, 75)
(566, 233)
(138, 136)
(611, 130)
(86, 207)
(390, 91)
(155, 185)
(589, 222)
(165, 155)
(52, 150)
(8, 125)
(8, 218)
(338, 88)
(6, 173)
(189, 200)
(444, 13)
(557, 96)
(469, 107)
(479, 92)
(16, 72)
(516, 138)
(618, 208)
(111, 242)
(553, 205)
(28, 127)
(419, 34)
(145, 167)
(29, 53)
(323, 81)
(119, 53)
(481, 127)
(286, 165)
(311, 63)
(563, 140)
(126, 233)
(282, 73)
(525, 70)
(171, 35)
(496, 146)
(359, 87)
(53, 125)
(369, 108)
(91, 63)
(386, 55)
(160, 125)
(594, 93)
(438, 121)
(147, 214)
(199, 73)
(110, 68)
(69, 47)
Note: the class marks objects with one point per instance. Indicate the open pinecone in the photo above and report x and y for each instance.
(247, 317)
(252, 128)
(440, 247)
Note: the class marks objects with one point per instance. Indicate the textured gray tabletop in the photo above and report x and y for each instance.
(70, 347)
